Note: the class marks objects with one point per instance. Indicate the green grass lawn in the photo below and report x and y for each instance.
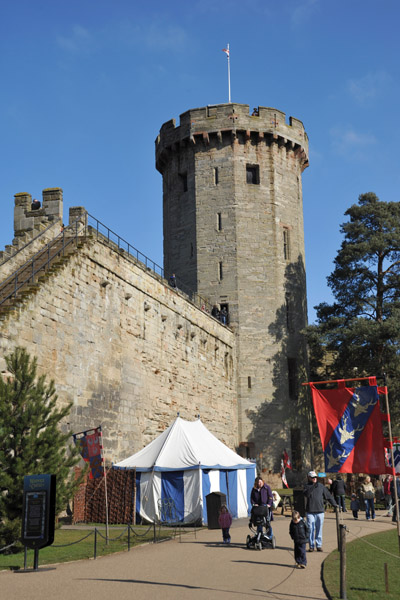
(83, 549)
(365, 568)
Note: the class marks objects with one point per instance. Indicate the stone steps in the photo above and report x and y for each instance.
(23, 283)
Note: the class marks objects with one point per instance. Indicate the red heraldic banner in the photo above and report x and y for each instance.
(90, 447)
(350, 425)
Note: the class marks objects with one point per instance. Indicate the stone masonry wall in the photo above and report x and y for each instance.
(127, 350)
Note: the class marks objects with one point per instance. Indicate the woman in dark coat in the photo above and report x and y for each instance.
(261, 495)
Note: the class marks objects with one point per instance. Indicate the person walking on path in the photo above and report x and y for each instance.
(261, 495)
(298, 530)
(338, 490)
(368, 495)
(388, 496)
(315, 493)
(225, 521)
(354, 505)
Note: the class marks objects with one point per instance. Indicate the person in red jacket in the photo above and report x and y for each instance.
(225, 521)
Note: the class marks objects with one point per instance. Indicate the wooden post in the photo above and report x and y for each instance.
(386, 578)
(338, 528)
(343, 593)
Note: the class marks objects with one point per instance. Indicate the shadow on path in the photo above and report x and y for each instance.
(178, 585)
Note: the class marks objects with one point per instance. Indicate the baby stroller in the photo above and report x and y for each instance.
(260, 525)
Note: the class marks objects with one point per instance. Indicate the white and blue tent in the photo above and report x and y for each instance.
(186, 463)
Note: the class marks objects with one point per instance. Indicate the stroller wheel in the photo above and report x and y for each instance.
(258, 546)
(248, 541)
(273, 542)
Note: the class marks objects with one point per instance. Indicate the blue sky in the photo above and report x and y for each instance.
(87, 84)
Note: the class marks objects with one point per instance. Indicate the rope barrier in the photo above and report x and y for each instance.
(9, 546)
(373, 545)
(72, 543)
(112, 539)
(142, 534)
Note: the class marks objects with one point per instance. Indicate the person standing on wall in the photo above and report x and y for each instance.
(315, 493)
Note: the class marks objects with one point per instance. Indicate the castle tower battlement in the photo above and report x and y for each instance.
(233, 122)
(233, 232)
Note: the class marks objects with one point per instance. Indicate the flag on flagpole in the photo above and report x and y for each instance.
(226, 50)
(283, 474)
(89, 444)
(350, 425)
(286, 460)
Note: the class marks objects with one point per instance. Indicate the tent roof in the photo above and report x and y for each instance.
(184, 445)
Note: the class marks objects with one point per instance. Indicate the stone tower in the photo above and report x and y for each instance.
(233, 232)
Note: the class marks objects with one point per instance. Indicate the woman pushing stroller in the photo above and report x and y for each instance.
(261, 494)
(261, 515)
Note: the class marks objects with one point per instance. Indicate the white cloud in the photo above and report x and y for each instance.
(369, 87)
(161, 37)
(350, 143)
(79, 40)
(304, 11)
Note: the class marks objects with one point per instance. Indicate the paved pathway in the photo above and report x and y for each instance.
(196, 568)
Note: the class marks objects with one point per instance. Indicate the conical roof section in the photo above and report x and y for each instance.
(185, 445)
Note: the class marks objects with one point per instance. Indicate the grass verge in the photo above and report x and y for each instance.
(365, 568)
(81, 546)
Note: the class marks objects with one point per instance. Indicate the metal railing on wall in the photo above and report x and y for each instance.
(96, 226)
(86, 225)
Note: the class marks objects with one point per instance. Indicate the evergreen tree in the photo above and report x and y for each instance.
(31, 442)
(360, 331)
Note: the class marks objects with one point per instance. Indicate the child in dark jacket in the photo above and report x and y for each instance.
(354, 505)
(299, 533)
(225, 521)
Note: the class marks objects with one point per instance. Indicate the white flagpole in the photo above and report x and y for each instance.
(229, 74)
(226, 50)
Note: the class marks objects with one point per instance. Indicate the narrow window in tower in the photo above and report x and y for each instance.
(249, 382)
(295, 442)
(252, 174)
(216, 176)
(183, 178)
(191, 250)
(286, 244)
(292, 378)
(219, 222)
(220, 271)
(289, 313)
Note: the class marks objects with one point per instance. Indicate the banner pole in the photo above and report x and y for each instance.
(105, 482)
(396, 498)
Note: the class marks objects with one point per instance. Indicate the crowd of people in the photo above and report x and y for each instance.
(317, 496)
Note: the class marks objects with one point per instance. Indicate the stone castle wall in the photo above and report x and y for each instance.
(127, 350)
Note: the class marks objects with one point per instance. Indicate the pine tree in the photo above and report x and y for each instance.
(360, 331)
(30, 439)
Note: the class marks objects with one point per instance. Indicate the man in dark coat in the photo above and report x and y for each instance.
(394, 514)
(315, 493)
(339, 491)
